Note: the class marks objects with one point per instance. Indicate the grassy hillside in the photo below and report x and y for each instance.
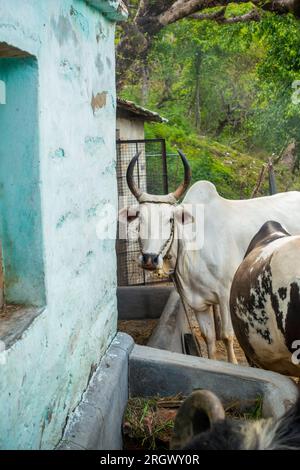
(234, 173)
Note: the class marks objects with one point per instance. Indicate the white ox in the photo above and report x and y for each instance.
(204, 274)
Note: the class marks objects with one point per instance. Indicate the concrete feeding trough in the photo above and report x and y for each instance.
(157, 302)
(131, 370)
(142, 302)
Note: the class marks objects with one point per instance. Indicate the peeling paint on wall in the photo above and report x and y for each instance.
(62, 30)
(63, 218)
(93, 145)
(113, 103)
(99, 64)
(92, 211)
(100, 32)
(98, 101)
(110, 169)
(85, 263)
(58, 153)
(69, 70)
(80, 20)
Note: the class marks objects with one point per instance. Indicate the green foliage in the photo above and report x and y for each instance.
(246, 76)
(234, 173)
(275, 118)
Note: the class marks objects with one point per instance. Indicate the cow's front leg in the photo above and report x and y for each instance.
(228, 342)
(207, 328)
(227, 333)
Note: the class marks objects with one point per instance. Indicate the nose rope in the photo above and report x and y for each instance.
(165, 244)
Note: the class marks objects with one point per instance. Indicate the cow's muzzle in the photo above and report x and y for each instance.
(150, 261)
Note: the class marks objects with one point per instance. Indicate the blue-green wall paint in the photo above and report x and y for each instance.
(47, 370)
(20, 207)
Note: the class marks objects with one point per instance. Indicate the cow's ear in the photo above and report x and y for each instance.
(197, 414)
(128, 214)
(184, 215)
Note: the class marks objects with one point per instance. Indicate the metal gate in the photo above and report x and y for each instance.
(151, 175)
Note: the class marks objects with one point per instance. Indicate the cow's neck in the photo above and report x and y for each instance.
(170, 259)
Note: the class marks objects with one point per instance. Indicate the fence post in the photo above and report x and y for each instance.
(272, 180)
(164, 164)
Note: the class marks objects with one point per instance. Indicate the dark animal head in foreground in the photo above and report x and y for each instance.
(201, 425)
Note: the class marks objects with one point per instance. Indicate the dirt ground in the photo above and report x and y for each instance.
(141, 330)
(221, 352)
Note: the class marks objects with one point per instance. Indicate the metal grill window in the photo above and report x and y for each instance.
(151, 176)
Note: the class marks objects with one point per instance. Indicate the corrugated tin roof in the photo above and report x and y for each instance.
(115, 10)
(138, 111)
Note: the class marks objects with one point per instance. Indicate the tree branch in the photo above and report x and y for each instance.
(277, 6)
(152, 23)
(215, 15)
(142, 8)
(154, 15)
(280, 6)
(219, 16)
(180, 9)
(252, 15)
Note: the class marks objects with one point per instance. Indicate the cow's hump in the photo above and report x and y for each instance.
(202, 191)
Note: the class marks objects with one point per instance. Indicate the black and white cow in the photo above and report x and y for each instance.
(265, 300)
(201, 424)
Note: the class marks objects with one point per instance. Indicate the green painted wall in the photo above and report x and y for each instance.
(20, 208)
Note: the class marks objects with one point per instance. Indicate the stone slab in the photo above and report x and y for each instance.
(171, 327)
(157, 372)
(96, 422)
(142, 302)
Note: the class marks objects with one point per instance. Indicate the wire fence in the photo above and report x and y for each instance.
(152, 176)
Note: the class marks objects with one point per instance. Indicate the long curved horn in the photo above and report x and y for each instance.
(129, 176)
(187, 177)
(197, 413)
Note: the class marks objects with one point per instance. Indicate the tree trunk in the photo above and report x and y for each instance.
(197, 94)
(296, 166)
(272, 179)
(132, 50)
(259, 182)
(145, 84)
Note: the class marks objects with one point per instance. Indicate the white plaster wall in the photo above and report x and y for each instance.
(47, 370)
(130, 129)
